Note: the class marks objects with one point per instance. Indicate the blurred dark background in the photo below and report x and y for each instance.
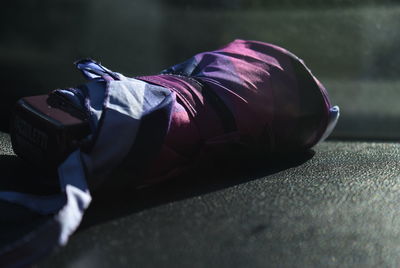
(350, 45)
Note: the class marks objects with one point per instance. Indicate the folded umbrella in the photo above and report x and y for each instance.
(246, 99)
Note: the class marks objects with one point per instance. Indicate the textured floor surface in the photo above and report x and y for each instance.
(338, 207)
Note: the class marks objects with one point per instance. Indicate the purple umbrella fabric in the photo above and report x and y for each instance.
(251, 94)
(247, 98)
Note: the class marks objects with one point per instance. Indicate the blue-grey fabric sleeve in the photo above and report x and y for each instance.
(117, 105)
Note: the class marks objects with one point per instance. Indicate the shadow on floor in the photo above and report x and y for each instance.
(112, 202)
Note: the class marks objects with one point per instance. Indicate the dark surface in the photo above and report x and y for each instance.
(338, 207)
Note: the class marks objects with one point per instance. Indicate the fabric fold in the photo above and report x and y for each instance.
(124, 103)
